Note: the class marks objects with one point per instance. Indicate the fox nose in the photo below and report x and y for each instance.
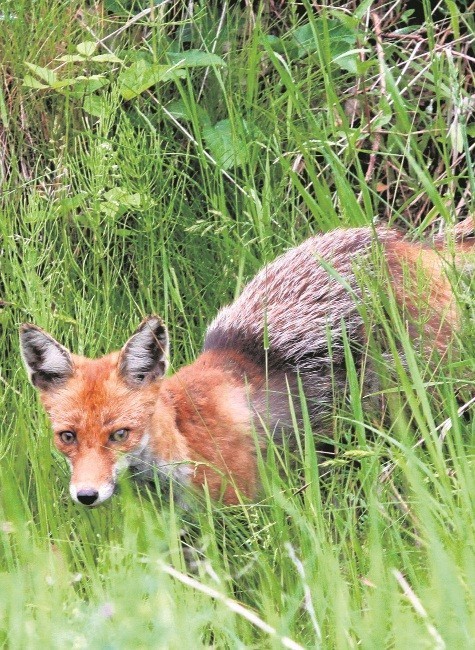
(87, 497)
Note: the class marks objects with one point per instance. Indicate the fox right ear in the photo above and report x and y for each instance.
(144, 357)
(48, 362)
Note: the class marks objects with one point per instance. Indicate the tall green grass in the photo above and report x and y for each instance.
(167, 203)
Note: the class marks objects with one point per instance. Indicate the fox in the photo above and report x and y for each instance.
(197, 428)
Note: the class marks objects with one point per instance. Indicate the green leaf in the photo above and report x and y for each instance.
(195, 59)
(360, 10)
(71, 58)
(94, 105)
(124, 232)
(81, 85)
(385, 114)
(87, 48)
(182, 112)
(71, 203)
(273, 42)
(89, 86)
(119, 195)
(31, 82)
(106, 58)
(341, 38)
(117, 201)
(43, 73)
(225, 147)
(348, 60)
(179, 110)
(142, 75)
(283, 46)
(63, 83)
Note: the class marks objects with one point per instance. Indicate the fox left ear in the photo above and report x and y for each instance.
(49, 363)
(144, 357)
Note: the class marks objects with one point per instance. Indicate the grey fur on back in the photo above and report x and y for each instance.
(299, 303)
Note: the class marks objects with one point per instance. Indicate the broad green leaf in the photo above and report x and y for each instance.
(94, 105)
(195, 58)
(341, 38)
(106, 58)
(81, 85)
(360, 10)
(87, 48)
(31, 82)
(181, 112)
(227, 150)
(63, 83)
(124, 232)
(284, 46)
(142, 75)
(348, 60)
(273, 42)
(71, 58)
(119, 195)
(89, 85)
(43, 73)
(305, 40)
(117, 201)
(72, 202)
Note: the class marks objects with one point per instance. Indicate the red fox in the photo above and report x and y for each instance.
(196, 427)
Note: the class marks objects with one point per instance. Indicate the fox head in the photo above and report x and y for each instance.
(101, 410)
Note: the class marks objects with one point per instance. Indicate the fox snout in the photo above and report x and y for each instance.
(94, 476)
(91, 496)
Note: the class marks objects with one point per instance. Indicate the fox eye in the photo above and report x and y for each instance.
(68, 437)
(119, 436)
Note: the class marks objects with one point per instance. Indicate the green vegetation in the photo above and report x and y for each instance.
(152, 159)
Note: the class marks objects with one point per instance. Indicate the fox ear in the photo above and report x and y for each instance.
(48, 362)
(144, 357)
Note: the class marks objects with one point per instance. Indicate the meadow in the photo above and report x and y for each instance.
(153, 158)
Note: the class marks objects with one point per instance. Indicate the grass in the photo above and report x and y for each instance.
(167, 203)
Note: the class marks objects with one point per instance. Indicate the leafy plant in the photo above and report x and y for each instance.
(338, 36)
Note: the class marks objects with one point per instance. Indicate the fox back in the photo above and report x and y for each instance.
(302, 301)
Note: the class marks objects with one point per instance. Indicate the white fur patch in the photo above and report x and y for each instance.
(146, 466)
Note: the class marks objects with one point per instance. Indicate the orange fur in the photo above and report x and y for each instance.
(422, 288)
(213, 414)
